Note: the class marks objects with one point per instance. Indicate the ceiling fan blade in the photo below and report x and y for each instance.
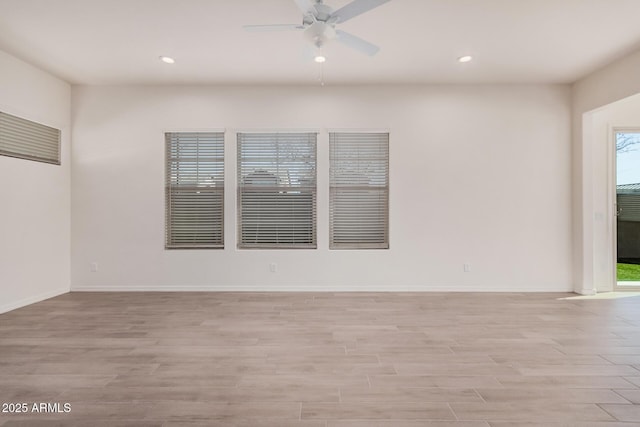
(306, 6)
(356, 43)
(275, 27)
(355, 8)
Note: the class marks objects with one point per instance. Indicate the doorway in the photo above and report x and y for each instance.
(627, 209)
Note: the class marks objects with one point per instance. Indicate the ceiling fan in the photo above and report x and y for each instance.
(319, 23)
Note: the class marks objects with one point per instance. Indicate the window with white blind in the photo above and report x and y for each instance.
(194, 190)
(29, 140)
(277, 190)
(359, 190)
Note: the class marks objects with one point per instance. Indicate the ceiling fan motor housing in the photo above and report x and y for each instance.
(323, 12)
(319, 32)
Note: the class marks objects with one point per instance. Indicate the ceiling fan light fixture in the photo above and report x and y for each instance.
(167, 59)
(320, 59)
(465, 58)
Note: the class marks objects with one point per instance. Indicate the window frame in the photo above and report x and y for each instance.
(314, 192)
(25, 128)
(333, 245)
(219, 133)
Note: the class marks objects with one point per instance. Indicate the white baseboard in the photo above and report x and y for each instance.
(586, 291)
(32, 300)
(353, 287)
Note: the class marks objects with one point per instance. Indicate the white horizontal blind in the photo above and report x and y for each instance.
(277, 190)
(195, 190)
(359, 190)
(28, 140)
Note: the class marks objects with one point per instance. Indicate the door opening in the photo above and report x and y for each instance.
(627, 209)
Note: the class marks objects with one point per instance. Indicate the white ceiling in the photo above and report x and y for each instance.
(512, 41)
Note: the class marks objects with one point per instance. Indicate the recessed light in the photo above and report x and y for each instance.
(167, 60)
(320, 59)
(466, 58)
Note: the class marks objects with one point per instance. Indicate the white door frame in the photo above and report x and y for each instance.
(613, 181)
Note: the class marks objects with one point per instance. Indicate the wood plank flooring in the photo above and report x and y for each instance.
(323, 360)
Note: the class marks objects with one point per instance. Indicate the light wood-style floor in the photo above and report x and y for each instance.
(323, 360)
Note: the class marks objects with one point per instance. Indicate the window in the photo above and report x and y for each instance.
(28, 140)
(359, 190)
(195, 190)
(277, 190)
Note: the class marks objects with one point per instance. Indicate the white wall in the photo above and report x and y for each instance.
(34, 197)
(614, 82)
(603, 121)
(479, 175)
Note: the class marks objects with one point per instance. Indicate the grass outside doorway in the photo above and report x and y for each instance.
(628, 272)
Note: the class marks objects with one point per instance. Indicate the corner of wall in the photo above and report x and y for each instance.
(34, 249)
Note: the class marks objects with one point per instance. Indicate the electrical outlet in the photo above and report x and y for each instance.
(94, 267)
(466, 268)
(273, 267)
